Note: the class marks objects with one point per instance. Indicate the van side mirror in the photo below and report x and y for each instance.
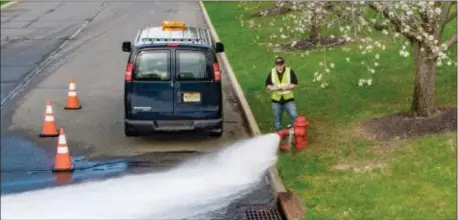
(219, 47)
(126, 46)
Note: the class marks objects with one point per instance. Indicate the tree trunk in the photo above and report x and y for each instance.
(313, 34)
(314, 29)
(425, 74)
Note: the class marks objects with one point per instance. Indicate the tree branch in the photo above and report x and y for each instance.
(441, 19)
(450, 18)
(393, 20)
(450, 41)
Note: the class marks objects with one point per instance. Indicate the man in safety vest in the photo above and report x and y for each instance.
(281, 81)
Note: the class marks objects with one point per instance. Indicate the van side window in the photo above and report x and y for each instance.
(192, 65)
(152, 65)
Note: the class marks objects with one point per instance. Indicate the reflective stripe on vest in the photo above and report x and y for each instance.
(285, 80)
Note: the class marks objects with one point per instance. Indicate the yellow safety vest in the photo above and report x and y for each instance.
(286, 80)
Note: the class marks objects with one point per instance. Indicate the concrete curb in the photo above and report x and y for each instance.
(286, 198)
(8, 5)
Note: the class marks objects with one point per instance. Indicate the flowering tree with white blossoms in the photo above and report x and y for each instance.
(421, 23)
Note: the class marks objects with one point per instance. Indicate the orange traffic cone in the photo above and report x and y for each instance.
(63, 160)
(72, 98)
(49, 125)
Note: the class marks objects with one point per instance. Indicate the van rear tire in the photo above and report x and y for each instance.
(129, 131)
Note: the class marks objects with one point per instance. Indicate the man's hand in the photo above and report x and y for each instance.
(273, 87)
(288, 87)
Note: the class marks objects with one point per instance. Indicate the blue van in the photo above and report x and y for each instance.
(173, 81)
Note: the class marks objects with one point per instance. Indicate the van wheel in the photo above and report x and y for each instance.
(217, 132)
(129, 131)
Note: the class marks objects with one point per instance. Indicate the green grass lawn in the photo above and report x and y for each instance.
(342, 175)
(3, 2)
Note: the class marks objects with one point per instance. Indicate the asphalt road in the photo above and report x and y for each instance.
(31, 31)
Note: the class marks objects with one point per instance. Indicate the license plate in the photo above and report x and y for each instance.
(191, 97)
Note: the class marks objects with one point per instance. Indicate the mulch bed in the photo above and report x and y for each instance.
(403, 125)
(309, 44)
(272, 11)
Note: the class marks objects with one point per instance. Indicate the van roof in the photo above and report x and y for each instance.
(188, 35)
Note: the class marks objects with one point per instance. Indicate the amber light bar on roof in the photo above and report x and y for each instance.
(173, 24)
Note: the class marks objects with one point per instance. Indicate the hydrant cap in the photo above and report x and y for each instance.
(300, 121)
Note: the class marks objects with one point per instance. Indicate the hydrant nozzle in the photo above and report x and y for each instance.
(298, 133)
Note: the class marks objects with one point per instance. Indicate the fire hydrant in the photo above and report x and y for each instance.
(298, 131)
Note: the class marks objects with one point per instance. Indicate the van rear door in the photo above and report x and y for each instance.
(197, 93)
(152, 85)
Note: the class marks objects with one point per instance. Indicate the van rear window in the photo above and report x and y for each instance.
(152, 65)
(192, 65)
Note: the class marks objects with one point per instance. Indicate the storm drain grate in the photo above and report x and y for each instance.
(259, 212)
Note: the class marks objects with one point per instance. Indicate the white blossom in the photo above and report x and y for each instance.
(332, 65)
(348, 59)
(438, 11)
(369, 82)
(318, 78)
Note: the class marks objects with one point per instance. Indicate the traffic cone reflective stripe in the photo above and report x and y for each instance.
(63, 160)
(49, 125)
(72, 98)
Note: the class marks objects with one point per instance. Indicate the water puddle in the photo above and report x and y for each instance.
(25, 166)
(33, 179)
(194, 189)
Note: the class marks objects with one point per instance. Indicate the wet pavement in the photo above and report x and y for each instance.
(31, 32)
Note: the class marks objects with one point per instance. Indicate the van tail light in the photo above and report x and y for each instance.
(217, 72)
(128, 75)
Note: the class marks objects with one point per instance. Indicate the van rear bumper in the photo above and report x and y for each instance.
(174, 125)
